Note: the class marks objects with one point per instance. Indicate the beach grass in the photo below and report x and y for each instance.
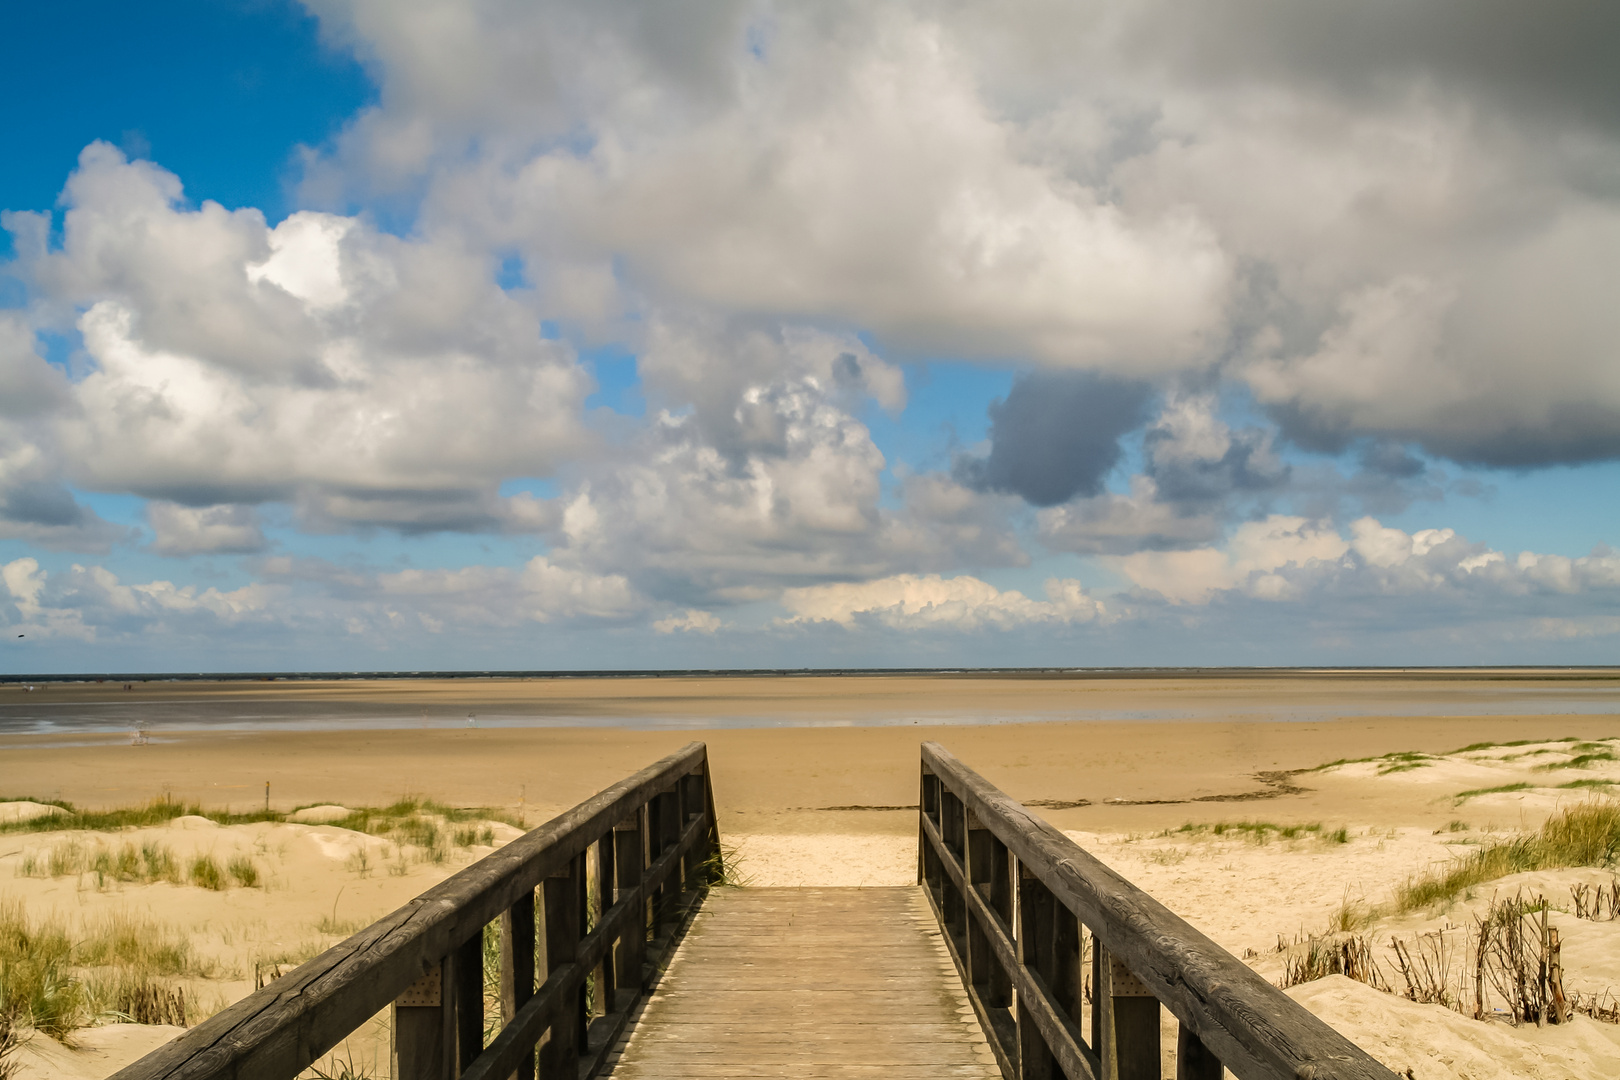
(1583, 835)
(55, 978)
(1500, 789)
(157, 812)
(1261, 832)
(376, 820)
(141, 864)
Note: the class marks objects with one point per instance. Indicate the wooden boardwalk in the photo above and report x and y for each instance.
(821, 983)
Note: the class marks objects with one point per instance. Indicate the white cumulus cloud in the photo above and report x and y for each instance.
(923, 602)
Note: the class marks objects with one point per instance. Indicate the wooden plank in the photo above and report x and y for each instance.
(752, 991)
(1259, 1032)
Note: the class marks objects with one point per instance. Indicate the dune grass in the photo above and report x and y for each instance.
(146, 815)
(1580, 760)
(1399, 761)
(1583, 835)
(205, 872)
(55, 978)
(127, 863)
(369, 819)
(144, 864)
(1476, 747)
(1261, 832)
(1500, 789)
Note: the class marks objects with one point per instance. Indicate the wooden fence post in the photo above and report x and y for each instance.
(1064, 976)
(517, 968)
(976, 871)
(419, 1044)
(687, 874)
(1102, 1015)
(627, 865)
(606, 974)
(950, 830)
(1035, 940)
(1001, 902)
(562, 898)
(1193, 1059)
(665, 835)
(1133, 1035)
(467, 968)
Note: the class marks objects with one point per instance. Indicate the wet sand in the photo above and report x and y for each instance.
(1217, 748)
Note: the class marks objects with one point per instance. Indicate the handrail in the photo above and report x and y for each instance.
(615, 853)
(1020, 904)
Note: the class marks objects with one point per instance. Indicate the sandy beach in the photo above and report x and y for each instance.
(833, 804)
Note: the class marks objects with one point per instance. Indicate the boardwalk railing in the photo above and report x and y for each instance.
(1021, 905)
(586, 900)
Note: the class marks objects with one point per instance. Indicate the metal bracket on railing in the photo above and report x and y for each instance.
(426, 991)
(1121, 983)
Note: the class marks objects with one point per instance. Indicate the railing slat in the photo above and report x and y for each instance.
(1255, 1030)
(517, 969)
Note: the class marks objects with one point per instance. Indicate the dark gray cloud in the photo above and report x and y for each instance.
(1573, 433)
(1247, 466)
(1556, 58)
(1390, 459)
(1055, 436)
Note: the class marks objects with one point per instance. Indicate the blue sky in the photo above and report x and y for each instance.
(352, 334)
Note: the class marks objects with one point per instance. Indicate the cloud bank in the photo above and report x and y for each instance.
(1255, 278)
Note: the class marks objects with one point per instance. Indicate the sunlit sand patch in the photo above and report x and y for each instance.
(1524, 773)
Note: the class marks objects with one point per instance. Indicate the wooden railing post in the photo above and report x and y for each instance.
(467, 976)
(1193, 1059)
(950, 830)
(563, 899)
(1035, 941)
(605, 974)
(1102, 1013)
(683, 814)
(627, 865)
(664, 819)
(420, 1052)
(984, 972)
(1068, 990)
(517, 968)
(1131, 1027)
